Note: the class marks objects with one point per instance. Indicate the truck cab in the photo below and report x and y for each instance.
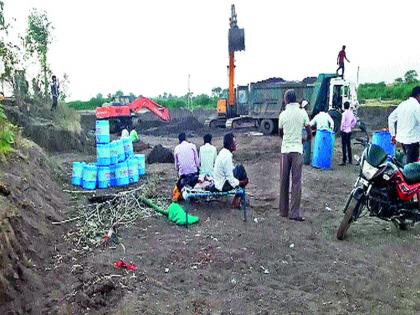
(342, 91)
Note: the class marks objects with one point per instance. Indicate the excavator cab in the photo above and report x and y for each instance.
(221, 107)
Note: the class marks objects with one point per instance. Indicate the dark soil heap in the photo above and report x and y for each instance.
(160, 154)
(39, 126)
(189, 125)
(29, 200)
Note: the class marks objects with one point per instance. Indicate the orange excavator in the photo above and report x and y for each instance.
(123, 112)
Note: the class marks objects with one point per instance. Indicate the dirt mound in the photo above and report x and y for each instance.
(189, 125)
(47, 134)
(375, 117)
(160, 154)
(29, 200)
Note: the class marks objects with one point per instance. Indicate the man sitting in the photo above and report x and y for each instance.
(208, 154)
(226, 177)
(186, 162)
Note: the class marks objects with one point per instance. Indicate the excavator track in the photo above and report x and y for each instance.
(241, 122)
(218, 122)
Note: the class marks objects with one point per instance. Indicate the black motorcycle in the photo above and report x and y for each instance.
(384, 188)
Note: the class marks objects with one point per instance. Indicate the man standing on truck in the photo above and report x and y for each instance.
(407, 117)
(54, 92)
(340, 60)
(291, 122)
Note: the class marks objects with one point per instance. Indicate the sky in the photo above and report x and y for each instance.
(150, 47)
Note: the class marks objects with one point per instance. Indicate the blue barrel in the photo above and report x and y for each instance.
(113, 152)
(120, 150)
(133, 170)
(121, 174)
(89, 176)
(113, 180)
(142, 164)
(103, 154)
(383, 139)
(102, 131)
(77, 174)
(323, 150)
(104, 177)
(128, 147)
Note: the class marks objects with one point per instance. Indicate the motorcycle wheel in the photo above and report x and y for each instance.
(348, 218)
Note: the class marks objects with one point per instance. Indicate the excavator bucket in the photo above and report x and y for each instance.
(236, 39)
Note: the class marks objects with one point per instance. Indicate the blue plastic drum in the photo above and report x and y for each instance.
(121, 174)
(128, 148)
(113, 180)
(120, 150)
(103, 155)
(102, 131)
(383, 139)
(113, 152)
(323, 151)
(142, 163)
(89, 176)
(133, 170)
(77, 174)
(104, 177)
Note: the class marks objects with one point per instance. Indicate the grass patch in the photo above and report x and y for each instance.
(68, 118)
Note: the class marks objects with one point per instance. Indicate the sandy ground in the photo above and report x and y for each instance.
(268, 265)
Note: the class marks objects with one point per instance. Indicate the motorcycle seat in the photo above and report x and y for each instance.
(411, 173)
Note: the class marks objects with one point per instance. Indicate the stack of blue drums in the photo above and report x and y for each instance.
(116, 165)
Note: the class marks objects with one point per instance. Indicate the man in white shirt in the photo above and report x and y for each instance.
(322, 121)
(407, 117)
(208, 154)
(226, 177)
(291, 122)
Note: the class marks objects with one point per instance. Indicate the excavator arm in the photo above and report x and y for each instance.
(136, 106)
(155, 108)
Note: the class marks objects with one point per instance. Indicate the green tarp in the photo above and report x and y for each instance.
(177, 215)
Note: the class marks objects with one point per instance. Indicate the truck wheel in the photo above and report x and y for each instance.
(267, 126)
(336, 117)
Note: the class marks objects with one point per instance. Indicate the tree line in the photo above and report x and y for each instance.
(166, 99)
(400, 89)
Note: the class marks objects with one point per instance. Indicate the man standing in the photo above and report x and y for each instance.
(208, 154)
(348, 121)
(186, 162)
(54, 92)
(340, 60)
(407, 117)
(291, 122)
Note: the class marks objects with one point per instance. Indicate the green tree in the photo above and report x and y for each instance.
(119, 93)
(216, 92)
(99, 96)
(398, 80)
(38, 39)
(411, 76)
